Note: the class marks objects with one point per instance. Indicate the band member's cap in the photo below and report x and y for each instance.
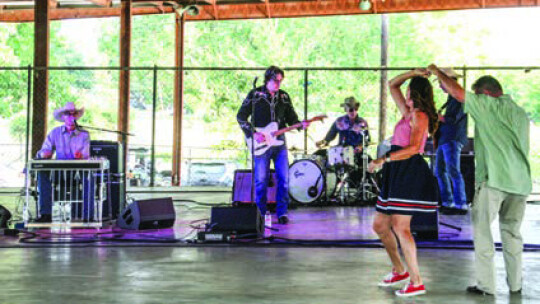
(451, 73)
(350, 102)
(68, 108)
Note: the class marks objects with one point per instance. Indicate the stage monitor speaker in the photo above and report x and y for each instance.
(242, 187)
(240, 220)
(148, 214)
(5, 215)
(112, 151)
(425, 226)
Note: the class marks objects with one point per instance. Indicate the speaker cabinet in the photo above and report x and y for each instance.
(467, 171)
(148, 214)
(241, 220)
(5, 215)
(425, 226)
(112, 151)
(242, 187)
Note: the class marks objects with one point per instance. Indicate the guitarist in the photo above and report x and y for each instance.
(262, 106)
(451, 137)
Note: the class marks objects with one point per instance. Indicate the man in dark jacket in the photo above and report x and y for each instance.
(268, 104)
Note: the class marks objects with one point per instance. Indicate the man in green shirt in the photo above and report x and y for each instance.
(503, 176)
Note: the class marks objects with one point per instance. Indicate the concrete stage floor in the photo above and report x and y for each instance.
(104, 271)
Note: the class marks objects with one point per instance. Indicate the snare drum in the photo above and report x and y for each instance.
(341, 156)
(308, 181)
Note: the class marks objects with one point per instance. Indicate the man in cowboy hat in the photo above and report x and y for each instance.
(69, 142)
(451, 138)
(350, 127)
(352, 130)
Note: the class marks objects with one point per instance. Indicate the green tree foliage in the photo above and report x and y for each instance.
(343, 41)
(211, 98)
(64, 85)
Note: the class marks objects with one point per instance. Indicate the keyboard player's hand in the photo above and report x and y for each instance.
(45, 154)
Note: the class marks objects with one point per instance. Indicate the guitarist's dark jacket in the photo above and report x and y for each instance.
(267, 109)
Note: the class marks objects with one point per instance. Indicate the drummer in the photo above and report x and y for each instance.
(350, 127)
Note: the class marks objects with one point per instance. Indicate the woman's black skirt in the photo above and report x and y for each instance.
(408, 187)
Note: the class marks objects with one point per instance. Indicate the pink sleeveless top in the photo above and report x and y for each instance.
(402, 134)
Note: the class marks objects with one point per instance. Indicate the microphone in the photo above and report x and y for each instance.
(313, 191)
(77, 125)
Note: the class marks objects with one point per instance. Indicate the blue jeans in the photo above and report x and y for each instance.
(66, 184)
(262, 173)
(448, 169)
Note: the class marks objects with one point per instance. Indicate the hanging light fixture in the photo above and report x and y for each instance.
(365, 5)
(192, 10)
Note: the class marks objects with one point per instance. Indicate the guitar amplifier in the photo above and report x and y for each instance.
(242, 187)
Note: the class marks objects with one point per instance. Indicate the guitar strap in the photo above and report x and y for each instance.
(444, 107)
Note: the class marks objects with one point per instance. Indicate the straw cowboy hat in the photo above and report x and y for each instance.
(350, 102)
(451, 73)
(68, 108)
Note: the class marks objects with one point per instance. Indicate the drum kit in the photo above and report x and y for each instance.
(333, 175)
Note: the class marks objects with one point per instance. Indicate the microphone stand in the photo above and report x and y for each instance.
(121, 176)
(122, 133)
(253, 143)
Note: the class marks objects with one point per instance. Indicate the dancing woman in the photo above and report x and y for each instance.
(408, 185)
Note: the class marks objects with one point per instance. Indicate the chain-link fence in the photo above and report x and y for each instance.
(213, 145)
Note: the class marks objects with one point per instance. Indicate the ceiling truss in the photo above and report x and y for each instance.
(23, 11)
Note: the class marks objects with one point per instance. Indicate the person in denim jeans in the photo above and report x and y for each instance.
(269, 104)
(453, 136)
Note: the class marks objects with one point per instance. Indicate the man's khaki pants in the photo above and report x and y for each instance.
(488, 202)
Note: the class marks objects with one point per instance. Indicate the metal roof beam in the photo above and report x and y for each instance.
(27, 15)
(259, 9)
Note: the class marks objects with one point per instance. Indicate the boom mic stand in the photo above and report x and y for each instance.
(121, 176)
(122, 133)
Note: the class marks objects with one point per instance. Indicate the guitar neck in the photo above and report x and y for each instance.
(287, 129)
(296, 126)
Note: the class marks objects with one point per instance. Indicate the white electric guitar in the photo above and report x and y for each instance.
(271, 132)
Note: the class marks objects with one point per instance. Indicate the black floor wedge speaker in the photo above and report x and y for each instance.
(240, 220)
(5, 215)
(154, 213)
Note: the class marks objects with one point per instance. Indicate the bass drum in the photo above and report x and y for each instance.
(308, 181)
